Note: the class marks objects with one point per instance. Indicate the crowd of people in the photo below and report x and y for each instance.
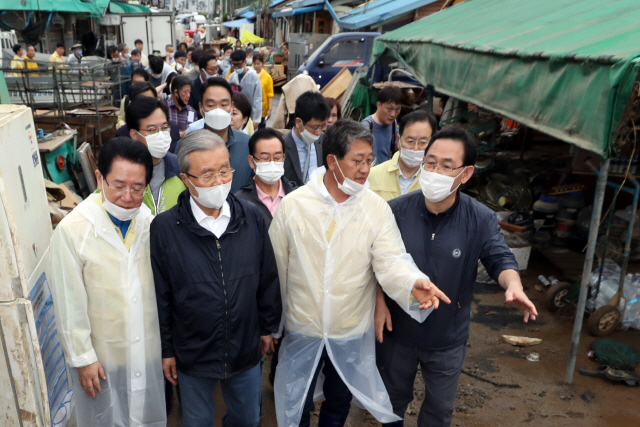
(343, 248)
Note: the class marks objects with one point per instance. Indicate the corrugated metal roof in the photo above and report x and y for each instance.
(379, 11)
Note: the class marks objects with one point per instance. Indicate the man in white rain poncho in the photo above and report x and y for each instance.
(332, 239)
(104, 296)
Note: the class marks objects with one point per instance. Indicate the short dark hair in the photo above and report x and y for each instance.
(141, 87)
(196, 55)
(182, 44)
(180, 54)
(59, 44)
(226, 48)
(210, 51)
(261, 134)
(112, 49)
(242, 103)
(125, 148)
(332, 102)
(215, 81)
(156, 64)
(338, 138)
(179, 82)
(204, 60)
(136, 52)
(138, 41)
(16, 48)
(249, 51)
(390, 94)
(238, 55)
(312, 105)
(418, 116)
(460, 135)
(258, 57)
(141, 108)
(191, 49)
(140, 72)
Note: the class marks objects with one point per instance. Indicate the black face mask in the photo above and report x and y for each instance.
(179, 101)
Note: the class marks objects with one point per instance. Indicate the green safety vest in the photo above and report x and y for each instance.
(167, 197)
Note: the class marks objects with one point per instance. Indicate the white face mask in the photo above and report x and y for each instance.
(249, 61)
(156, 76)
(436, 187)
(269, 172)
(217, 119)
(196, 68)
(207, 76)
(158, 143)
(212, 197)
(411, 158)
(116, 211)
(349, 186)
(308, 137)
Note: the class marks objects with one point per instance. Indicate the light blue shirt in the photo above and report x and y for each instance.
(405, 183)
(302, 154)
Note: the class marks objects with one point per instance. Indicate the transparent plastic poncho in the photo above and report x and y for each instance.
(105, 306)
(329, 257)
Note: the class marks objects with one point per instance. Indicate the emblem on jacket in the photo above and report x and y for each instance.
(456, 253)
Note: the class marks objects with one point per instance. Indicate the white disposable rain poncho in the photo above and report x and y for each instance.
(105, 306)
(329, 256)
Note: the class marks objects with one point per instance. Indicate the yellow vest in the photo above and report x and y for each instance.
(384, 179)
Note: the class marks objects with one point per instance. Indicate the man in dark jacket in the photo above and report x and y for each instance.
(303, 145)
(217, 288)
(446, 232)
(268, 186)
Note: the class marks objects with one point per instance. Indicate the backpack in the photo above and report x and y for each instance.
(393, 147)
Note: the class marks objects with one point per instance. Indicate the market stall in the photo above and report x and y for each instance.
(569, 71)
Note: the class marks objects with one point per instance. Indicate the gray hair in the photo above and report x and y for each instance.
(199, 140)
(339, 137)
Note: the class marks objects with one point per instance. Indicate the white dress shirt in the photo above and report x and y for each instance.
(215, 225)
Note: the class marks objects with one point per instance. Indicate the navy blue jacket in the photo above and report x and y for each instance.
(449, 255)
(216, 297)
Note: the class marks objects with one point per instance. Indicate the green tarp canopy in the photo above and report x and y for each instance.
(96, 7)
(563, 67)
(116, 7)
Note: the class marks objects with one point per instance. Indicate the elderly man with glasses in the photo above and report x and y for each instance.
(217, 288)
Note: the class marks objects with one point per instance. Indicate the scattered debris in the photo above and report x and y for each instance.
(497, 384)
(587, 396)
(533, 357)
(521, 341)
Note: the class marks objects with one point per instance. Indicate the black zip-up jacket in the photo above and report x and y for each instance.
(216, 297)
(447, 249)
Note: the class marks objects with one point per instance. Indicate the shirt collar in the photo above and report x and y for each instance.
(264, 196)
(200, 216)
(299, 143)
(448, 211)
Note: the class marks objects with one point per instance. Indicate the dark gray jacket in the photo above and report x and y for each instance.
(292, 168)
(448, 253)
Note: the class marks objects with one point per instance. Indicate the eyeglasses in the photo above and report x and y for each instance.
(153, 130)
(421, 144)
(361, 163)
(318, 128)
(122, 190)
(207, 178)
(433, 166)
(266, 158)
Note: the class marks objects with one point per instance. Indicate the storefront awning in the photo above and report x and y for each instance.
(117, 7)
(379, 11)
(247, 12)
(298, 11)
(237, 23)
(564, 68)
(77, 6)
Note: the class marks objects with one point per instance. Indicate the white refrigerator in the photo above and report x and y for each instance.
(34, 385)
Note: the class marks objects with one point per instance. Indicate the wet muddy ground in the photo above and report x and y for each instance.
(542, 399)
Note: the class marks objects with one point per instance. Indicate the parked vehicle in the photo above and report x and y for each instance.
(351, 50)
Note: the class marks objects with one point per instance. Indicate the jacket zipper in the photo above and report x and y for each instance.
(156, 203)
(226, 309)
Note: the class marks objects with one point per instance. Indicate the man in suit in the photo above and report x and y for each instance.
(303, 146)
(208, 68)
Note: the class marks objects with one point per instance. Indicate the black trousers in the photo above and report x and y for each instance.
(398, 366)
(337, 403)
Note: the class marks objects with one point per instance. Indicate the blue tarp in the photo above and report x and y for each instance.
(237, 23)
(377, 12)
(298, 11)
(247, 12)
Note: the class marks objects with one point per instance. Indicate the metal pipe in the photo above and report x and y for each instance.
(588, 265)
